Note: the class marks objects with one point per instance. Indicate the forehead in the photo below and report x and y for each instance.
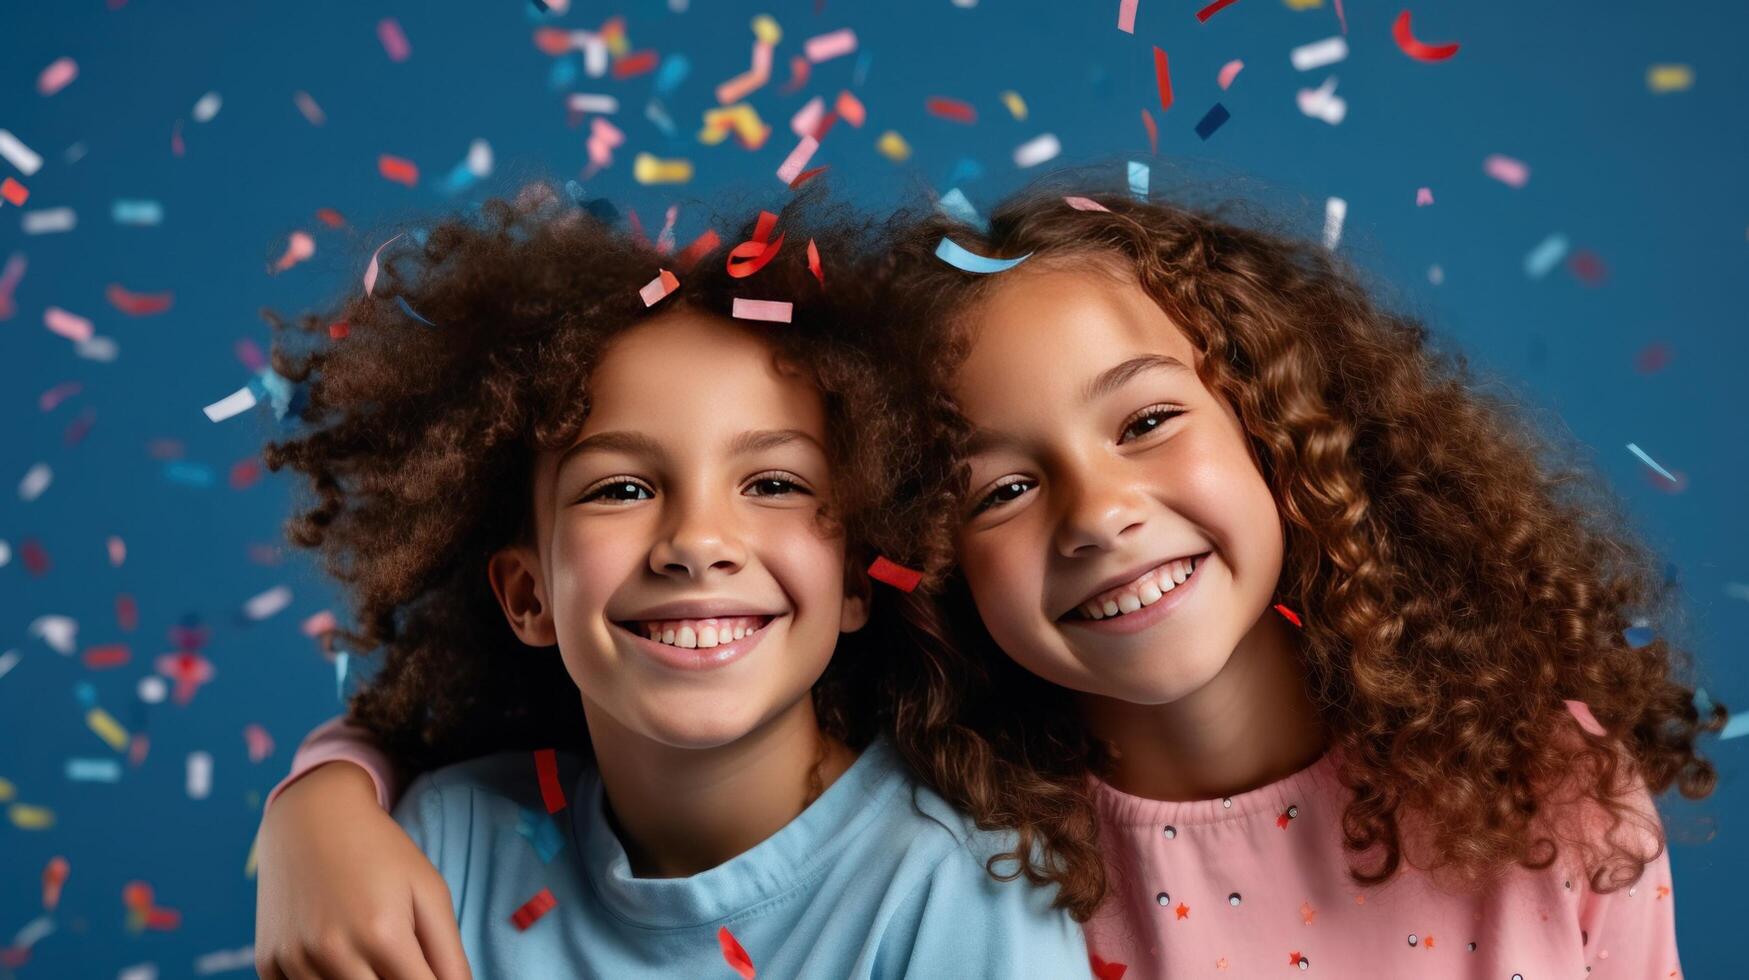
(690, 367)
(1039, 329)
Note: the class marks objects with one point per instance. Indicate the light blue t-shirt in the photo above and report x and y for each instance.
(878, 878)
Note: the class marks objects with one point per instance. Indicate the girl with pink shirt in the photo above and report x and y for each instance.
(1283, 648)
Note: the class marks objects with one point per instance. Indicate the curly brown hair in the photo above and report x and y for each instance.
(417, 443)
(1458, 577)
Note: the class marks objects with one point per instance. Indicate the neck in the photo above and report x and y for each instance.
(1250, 725)
(679, 812)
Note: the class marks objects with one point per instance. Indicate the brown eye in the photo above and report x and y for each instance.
(619, 491)
(1001, 493)
(1146, 422)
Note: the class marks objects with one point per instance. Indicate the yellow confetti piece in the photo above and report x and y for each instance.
(6, 791)
(741, 118)
(27, 817)
(249, 864)
(1016, 105)
(651, 169)
(1669, 78)
(766, 29)
(894, 147)
(1303, 4)
(107, 728)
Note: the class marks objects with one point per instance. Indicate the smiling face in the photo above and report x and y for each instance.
(679, 560)
(1117, 536)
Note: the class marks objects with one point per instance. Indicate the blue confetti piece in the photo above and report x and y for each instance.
(458, 180)
(1736, 727)
(562, 75)
(860, 75)
(542, 833)
(963, 170)
(189, 474)
(954, 205)
(950, 252)
(401, 301)
(276, 388)
(1212, 120)
(142, 213)
(341, 662)
(660, 118)
(1138, 180)
(674, 70)
(85, 694)
(1649, 461)
(94, 770)
(574, 191)
(1545, 256)
(1639, 636)
(1702, 704)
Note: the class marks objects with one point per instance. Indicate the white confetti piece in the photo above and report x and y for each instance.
(770, 311)
(48, 220)
(480, 159)
(200, 775)
(241, 400)
(798, 158)
(152, 689)
(223, 960)
(33, 931)
(268, 603)
(1323, 102)
(370, 271)
(1039, 149)
(27, 160)
(5, 553)
(61, 633)
(1319, 53)
(1335, 212)
(102, 349)
(207, 107)
(605, 105)
(36, 480)
(9, 660)
(139, 971)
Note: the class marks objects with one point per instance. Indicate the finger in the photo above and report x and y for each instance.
(267, 968)
(400, 961)
(336, 959)
(435, 926)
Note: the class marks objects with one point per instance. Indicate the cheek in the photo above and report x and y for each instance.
(591, 560)
(808, 564)
(1004, 569)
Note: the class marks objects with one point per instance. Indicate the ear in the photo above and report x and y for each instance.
(520, 587)
(858, 596)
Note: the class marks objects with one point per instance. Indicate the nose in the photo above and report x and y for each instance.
(700, 539)
(1097, 510)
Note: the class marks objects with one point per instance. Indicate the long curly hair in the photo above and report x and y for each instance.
(417, 440)
(1458, 578)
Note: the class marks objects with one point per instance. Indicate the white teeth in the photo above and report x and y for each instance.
(668, 635)
(739, 632)
(686, 639)
(707, 636)
(1150, 593)
(1110, 608)
(1129, 602)
(1179, 572)
(1166, 583)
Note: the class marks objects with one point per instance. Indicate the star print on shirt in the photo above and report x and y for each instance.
(1221, 964)
(1183, 910)
(1294, 958)
(1282, 821)
(1663, 890)
(1307, 913)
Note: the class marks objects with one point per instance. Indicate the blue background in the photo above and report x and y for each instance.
(1651, 184)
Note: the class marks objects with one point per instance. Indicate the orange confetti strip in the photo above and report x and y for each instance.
(806, 176)
(54, 876)
(850, 108)
(1152, 130)
(546, 766)
(814, 262)
(398, 170)
(14, 192)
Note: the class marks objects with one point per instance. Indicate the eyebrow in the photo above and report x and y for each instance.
(639, 444)
(1109, 380)
(1115, 377)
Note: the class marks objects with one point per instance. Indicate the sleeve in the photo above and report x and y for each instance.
(960, 922)
(336, 740)
(1631, 931)
(421, 814)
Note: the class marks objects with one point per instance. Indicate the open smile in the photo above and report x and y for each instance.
(697, 643)
(1141, 601)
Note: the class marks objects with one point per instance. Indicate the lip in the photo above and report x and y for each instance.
(681, 658)
(699, 609)
(1124, 578)
(1146, 616)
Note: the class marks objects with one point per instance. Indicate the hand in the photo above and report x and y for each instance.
(343, 893)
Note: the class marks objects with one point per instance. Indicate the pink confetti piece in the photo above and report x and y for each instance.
(394, 39)
(69, 325)
(1506, 170)
(48, 400)
(1126, 16)
(1582, 714)
(298, 248)
(807, 118)
(309, 108)
(770, 311)
(659, 287)
(370, 271)
(118, 551)
(750, 81)
(798, 159)
(1423, 197)
(1230, 71)
(1085, 204)
(825, 47)
(259, 742)
(58, 75)
(604, 138)
(320, 623)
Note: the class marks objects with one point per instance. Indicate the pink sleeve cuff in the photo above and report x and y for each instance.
(336, 740)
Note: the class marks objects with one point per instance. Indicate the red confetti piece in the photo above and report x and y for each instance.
(80, 427)
(532, 910)
(127, 613)
(552, 40)
(1419, 50)
(1164, 77)
(635, 64)
(398, 170)
(138, 304)
(896, 575)
(701, 246)
(825, 125)
(756, 252)
(105, 657)
(1153, 132)
(330, 217)
(1212, 9)
(814, 262)
(734, 955)
(1652, 359)
(54, 876)
(799, 70)
(1106, 970)
(339, 329)
(806, 176)
(245, 473)
(14, 192)
(546, 766)
(36, 560)
(950, 109)
(1587, 267)
(1288, 614)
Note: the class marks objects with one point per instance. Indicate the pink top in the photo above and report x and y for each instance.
(1257, 885)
